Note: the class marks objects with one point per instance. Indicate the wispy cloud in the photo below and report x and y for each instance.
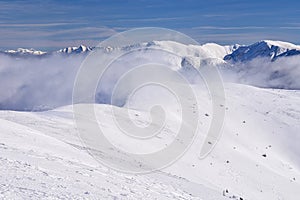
(151, 19)
(35, 24)
(228, 28)
(290, 27)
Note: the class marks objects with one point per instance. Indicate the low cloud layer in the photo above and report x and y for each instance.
(283, 73)
(37, 83)
(40, 83)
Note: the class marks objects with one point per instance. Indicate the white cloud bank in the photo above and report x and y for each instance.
(37, 83)
(31, 83)
(283, 73)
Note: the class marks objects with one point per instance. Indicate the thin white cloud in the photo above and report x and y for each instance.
(150, 19)
(290, 27)
(33, 25)
(228, 28)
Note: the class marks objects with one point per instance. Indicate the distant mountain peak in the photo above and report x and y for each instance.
(22, 51)
(76, 50)
(263, 48)
(32, 52)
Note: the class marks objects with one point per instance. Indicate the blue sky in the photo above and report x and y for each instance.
(56, 24)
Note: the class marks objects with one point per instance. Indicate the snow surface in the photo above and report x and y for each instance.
(285, 45)
(42, 156)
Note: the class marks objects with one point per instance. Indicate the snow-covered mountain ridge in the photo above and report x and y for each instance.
(32, 52)
(264, 48)
(233, 53)
(76, 50)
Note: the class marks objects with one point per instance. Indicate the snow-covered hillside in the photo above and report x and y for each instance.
(257, 156)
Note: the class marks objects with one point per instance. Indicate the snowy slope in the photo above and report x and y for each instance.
(37, 166)
(42, 157)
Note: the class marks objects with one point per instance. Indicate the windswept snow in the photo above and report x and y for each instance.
(42, 156)
(283, 45)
